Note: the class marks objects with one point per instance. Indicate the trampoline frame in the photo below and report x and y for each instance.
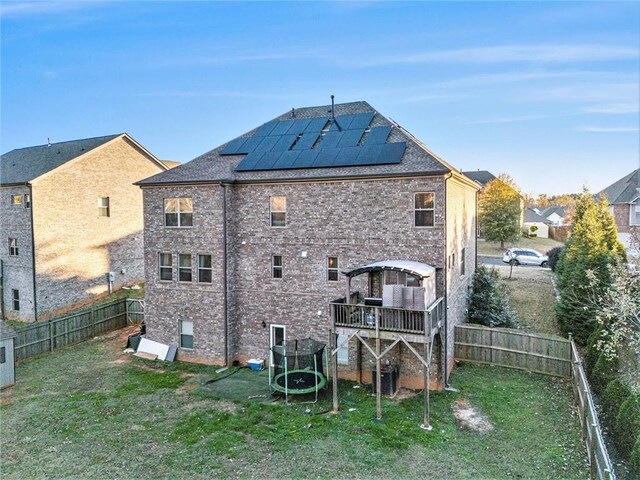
(321, 379)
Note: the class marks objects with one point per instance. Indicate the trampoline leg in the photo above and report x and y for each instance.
(334, 370)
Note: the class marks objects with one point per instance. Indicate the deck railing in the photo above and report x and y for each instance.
(370, 317)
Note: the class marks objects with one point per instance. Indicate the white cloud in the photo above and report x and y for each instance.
(613, 108)
(609, 129)
(19, 9)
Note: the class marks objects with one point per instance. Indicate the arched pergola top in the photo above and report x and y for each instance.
(417, 269)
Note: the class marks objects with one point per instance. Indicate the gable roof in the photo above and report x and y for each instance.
(22, 165)
(213, 167)
(625, 190)
(530, 216)
(558, 210)
(481, 176)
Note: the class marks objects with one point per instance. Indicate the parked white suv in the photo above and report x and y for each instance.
(525, 256)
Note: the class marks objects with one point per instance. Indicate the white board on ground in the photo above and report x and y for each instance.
(156, 348)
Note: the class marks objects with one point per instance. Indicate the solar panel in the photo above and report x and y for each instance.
(284, 143)
(342, 122)
(316, 125)
(331, 139)
(266, 144)
(350, 138)
(326, 157)
(306, 141)
(299, 126)
(361, 120)
(347, 157)
(265, 129)
(305, 159)
(233, 146)
(286, 160)
(250, 145)
(267, 161)
(391, 153)
(378, 136)
(249, 162)
(368, 154)
(281, 127)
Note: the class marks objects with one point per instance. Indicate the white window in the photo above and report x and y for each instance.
(423, 209)
(184, 267)
(343, 351)
(103, 207)
(276, 266)
(178, 212)
(278, 211)
(13, 247)
(27, 200)
(635, 215)
(15, 295)
(16, 199)
(332, 269)
(205, 270)
(166, 266)
(186, 334)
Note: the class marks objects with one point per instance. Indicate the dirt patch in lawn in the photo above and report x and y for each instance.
(5, 397)
(470, 418)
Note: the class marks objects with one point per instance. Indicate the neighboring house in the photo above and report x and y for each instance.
(250, 243)
(554, 215)
(624, 200)
(533, 219)
(483, 177)
(70, 216)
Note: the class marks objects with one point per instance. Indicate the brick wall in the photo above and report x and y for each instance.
(75, 247)
(621, 217)
(15, 222)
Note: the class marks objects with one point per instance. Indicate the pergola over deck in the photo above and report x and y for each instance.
(409, 327)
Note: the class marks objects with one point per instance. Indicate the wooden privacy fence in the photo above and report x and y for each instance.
(56, 333)
(544, 354)
(510, 348)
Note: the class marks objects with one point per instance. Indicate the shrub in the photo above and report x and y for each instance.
(554, 256)
(627, 426)
(613, 397)
(591, 352)
(604, 372)
(489, 305)
(634, 460)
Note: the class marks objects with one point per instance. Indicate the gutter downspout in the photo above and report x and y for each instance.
(446, 280)
(224, 274)
(33, 254)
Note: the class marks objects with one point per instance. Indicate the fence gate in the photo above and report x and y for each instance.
(135, 310)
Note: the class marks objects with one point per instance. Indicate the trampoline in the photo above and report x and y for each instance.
(296, 367)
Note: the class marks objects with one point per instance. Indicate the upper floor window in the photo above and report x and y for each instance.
(27, 200)
(178, 212)
(276, 265)
(423, 207)
(16, 199)
(332, 269)
(15, 295)
(635, 215)
(166, 266)
(278, 210)
(205, 269)
(13, 247)
(103, 207)
(184, 267)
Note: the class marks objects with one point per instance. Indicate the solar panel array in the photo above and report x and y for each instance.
(316, 143)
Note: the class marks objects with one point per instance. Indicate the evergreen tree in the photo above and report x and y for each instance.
(499, 210)
(592, 246)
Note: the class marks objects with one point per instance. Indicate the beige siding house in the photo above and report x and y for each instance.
(259, 240)
(71, 222)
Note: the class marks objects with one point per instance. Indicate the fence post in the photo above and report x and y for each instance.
(51, 335)
(92, 319)
(592, 456)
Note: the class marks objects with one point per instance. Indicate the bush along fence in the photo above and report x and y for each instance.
(78, 327)
(545, 354)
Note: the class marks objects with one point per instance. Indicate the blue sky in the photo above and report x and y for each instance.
(547, 92)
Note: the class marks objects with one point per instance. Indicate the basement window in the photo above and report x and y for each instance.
(186, 334)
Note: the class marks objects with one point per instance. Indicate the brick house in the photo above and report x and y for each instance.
(624, 200)
(249, 243)
(69, 215)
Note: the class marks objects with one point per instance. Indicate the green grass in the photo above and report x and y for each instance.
(91, 412)
(493, 249)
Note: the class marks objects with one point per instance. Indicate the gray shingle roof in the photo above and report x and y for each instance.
(481, 176)
(625, 190)
(530, 216)
(25, 164)
(212, 167)
(553, 209)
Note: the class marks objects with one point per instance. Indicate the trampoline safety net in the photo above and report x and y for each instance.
(298, 366)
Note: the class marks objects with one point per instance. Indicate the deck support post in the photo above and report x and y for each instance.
(426, 370)
(378, 381)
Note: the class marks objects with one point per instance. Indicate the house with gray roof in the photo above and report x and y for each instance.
(71, 223)
(302, 226)
(533, 219)
(624, 200)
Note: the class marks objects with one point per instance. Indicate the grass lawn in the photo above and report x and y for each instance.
(492, 249)
(90, 411)
(531, 296)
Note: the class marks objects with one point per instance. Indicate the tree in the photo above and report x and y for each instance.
(592, 246)
(489, 305)
(499, 210)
